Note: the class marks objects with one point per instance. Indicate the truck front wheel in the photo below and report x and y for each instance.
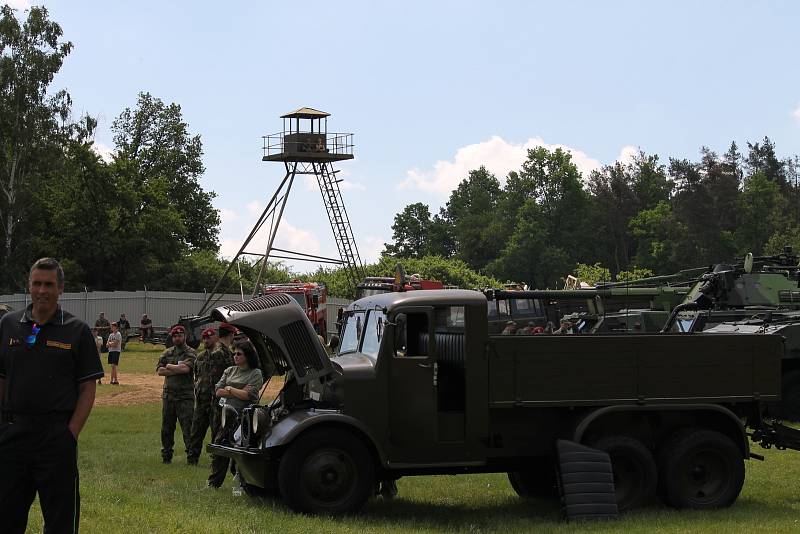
(702, 470)
(326, 472)
(635, 471)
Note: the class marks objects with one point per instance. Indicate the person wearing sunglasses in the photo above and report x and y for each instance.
(238, 388)
(177, 401)
(48, 370)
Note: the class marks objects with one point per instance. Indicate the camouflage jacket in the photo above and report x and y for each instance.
(178, 386)
(209, 367)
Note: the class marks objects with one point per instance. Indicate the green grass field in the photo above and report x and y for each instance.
(126, 488)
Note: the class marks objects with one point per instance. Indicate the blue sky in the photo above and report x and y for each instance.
(434, 89)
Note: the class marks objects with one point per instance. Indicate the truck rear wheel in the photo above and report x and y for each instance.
(702, 470)
(327, 472)
(635, 471)
(537, 480)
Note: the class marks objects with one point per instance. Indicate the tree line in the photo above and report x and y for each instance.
(645, 216)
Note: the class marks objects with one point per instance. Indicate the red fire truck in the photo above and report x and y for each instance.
(311, 296)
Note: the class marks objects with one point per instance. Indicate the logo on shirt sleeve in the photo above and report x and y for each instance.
(59, 345)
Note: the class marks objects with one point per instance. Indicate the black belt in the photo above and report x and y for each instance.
(35, 418)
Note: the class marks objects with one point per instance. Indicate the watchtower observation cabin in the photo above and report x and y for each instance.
(305, 138)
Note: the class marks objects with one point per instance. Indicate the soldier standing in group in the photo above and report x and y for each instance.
(103, 327)
(176, 365)
(221, 359)
(203, 395)
(124, 328)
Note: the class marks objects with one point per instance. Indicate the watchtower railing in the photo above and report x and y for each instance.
(335, 144)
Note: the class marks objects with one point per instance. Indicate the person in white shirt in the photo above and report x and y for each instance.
(114, 345)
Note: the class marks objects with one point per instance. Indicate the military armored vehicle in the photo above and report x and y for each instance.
(420, 387)
(759, 294)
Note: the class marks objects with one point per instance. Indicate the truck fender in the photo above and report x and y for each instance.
(287, 429)
(743, 442)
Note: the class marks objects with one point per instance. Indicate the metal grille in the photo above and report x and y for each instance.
(265, 302)
(300, 344)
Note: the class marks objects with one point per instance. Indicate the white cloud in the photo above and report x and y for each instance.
(627, 154)
(227, 216)
(18, 4)
(254, 208)
(370, 248)
(796, 113)
(497, 155)
(103, 151)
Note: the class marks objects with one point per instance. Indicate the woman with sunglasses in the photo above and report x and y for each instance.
(238, 388)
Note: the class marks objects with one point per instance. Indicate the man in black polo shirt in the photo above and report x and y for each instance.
(48, 371)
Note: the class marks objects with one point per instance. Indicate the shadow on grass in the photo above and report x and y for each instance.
(458, 515)
(511, 514)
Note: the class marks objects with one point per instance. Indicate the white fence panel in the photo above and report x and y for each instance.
(163, 307)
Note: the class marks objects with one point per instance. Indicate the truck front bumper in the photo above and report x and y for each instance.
(251, 464)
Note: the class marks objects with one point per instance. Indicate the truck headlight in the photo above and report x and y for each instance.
(260, 420)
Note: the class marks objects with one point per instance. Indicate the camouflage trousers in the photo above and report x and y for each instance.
(219, 464)
(172, 411)
(202, 420)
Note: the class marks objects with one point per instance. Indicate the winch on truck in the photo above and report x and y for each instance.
(420, 387)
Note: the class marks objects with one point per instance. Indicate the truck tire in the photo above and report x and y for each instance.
(326, 472)
(635, 471)
(702, 470)
(538, 480)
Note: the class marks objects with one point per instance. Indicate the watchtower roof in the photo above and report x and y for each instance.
(306, 113)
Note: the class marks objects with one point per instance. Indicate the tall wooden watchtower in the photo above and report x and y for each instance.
(306, 147)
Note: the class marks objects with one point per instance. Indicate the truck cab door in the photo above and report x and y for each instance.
(427, 388)
(412, 385)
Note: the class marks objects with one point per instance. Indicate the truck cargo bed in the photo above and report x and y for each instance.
(590, 370)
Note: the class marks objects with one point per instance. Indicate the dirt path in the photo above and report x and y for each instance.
(140, 388)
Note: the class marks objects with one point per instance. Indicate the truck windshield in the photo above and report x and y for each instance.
(373, 333)
(351, 332)
(300, 298)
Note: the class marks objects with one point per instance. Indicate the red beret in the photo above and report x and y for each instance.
(225, 329)
(208, 332)
(177, 329)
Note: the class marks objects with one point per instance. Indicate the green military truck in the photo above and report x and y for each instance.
(419, 387)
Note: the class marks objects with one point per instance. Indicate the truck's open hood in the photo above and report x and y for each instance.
(277, 320)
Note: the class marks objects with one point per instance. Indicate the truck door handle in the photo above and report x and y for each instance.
(425, 365)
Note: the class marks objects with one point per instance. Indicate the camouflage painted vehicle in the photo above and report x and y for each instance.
(420, 387)
(759, 294)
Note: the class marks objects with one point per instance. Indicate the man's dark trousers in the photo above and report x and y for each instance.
(38, 455)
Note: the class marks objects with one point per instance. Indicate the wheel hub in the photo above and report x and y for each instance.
(329, 475)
